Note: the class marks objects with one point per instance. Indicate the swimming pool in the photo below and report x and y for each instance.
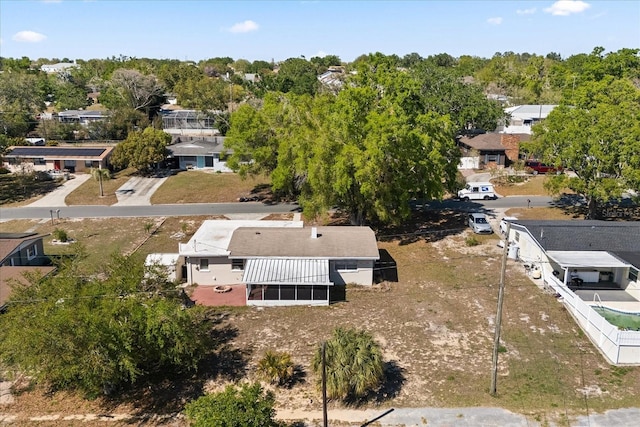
(628, 321)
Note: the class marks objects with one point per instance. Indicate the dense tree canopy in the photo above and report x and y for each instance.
(368, 150)
(141, 150)
(598, 138)
(72, 331)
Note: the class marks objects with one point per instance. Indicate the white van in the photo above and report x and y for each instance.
(477, 191)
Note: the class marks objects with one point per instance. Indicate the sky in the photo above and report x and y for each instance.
(277, 30)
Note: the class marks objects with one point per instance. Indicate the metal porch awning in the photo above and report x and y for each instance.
(586, 259)
(276, 271)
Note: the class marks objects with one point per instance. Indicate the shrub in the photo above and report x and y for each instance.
(472, 241)
(276, 367)
(60, 235)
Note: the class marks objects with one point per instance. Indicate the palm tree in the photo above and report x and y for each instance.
(99, 175)
(354, 365)
(276, 367)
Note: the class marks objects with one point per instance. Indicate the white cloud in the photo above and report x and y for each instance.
(567, 7)
(495, 21)
(244, 27)
(526, 11)
(28, 37)
(321, 54)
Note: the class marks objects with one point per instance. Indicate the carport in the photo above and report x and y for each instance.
(599, 270)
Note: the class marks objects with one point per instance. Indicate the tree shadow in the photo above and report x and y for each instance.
(393, 381)
(424, 225)
(299, 376)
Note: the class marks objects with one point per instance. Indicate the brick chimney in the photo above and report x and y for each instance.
(511, 143)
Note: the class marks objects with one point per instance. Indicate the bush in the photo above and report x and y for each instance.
(275, 367)
(354, 364)
(247, 406)
(472, 241)
(60, 235)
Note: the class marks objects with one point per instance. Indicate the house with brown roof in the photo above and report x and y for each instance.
(279, 262)
(490, 149)
(298, 266)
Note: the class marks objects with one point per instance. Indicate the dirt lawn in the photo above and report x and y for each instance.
(435, 324)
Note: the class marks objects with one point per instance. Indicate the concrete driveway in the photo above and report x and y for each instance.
(138, 190)
(57, 196)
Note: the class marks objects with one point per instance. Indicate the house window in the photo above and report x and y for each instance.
(32, 252)
(204, 264)
(69, 164)
(517, 236)
(237, 264)
(39, 162)
(633, 274)
(320, 293)
(346, 265)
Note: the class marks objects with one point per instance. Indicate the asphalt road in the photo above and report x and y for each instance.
(45, 212)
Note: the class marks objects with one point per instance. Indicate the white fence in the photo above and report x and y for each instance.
(619, 347)
(469, 163)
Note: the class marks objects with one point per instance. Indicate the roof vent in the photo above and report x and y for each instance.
(314, 232)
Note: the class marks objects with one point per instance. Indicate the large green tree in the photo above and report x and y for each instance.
(354, 364)
(141, 150)
(22, 97)
(133, 89)
(598, 138)
(369, 149)
(92, 334)
(248, 405)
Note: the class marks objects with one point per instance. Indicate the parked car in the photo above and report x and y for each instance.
(537, 167)
(479, 223)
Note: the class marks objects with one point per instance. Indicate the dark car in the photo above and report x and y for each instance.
(537, 167)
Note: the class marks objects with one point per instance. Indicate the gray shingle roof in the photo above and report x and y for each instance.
(582, 235)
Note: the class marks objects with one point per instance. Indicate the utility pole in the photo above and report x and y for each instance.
(496, 337)
(325, 420)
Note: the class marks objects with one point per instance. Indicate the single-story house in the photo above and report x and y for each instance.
(73, 159)
(19, 249)
(21, 254)
(198, 153)
(523, 117)
(83, 117)
(206, 254)
(479, 151)
(298, 266)
(605, 255)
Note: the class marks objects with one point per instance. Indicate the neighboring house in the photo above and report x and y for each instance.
(198, 153)
(523, 117)
(72, 159)
(188, 123)
(60, 67)
(490, 149)
(21, 254)
(298, 266)
(21, 249)
(206, 254)
(606, 256)
(333, 78)
(83, 117)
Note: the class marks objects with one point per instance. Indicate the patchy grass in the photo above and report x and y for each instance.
(89, 192)
(435, 324)
(19, 190)
(206, 187)
(532, 186)
(544, 213)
